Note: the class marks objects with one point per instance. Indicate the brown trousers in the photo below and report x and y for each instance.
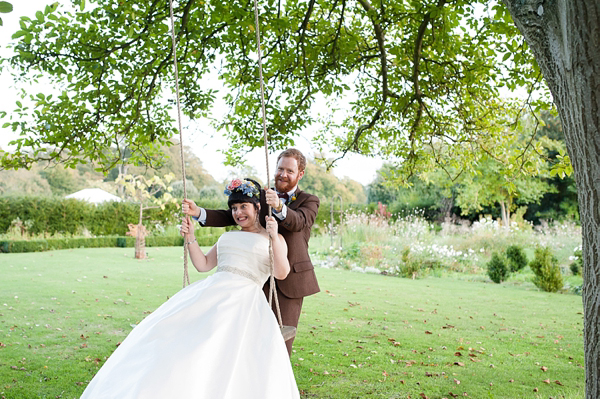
(290, 311)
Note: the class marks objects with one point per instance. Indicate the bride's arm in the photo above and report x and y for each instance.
(281, 266)
(201, 262)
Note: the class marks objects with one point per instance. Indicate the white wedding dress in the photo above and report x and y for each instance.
(215, 339)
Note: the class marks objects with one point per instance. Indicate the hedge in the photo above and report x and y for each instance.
(20, 246)
(48, 216)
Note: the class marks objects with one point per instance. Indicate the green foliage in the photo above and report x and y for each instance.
(325, 185)
(577, 265)
(415, 266)
(106, 56)
(40, 245)
(547, 272)
(61, 180)
(517, 260)
(497, 269)
(5, 7)
(419, 194)
(47, 216)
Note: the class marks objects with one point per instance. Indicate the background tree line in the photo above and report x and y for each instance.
(492, 189)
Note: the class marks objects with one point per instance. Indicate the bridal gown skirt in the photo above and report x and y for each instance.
(215, 339)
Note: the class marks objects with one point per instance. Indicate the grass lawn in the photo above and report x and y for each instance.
(62, 314)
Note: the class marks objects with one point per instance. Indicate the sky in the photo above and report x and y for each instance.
(205, 142)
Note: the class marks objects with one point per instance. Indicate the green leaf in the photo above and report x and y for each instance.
(82, 5)
(40, 16)
(18, 34)
(5, 7)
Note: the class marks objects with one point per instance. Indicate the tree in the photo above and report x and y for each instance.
(440, 82)
(561, 202)
(419, 73)
(153, 191)
(490, 186)
(326, 185)
(562, 37)
(23, 182)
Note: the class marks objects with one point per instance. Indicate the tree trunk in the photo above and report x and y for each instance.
(122, 172)
(140, 238)
(564, 36)
(504, 212)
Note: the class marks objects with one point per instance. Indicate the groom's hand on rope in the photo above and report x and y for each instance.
(190, 208)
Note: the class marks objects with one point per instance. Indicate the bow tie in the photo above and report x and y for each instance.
(283, 196)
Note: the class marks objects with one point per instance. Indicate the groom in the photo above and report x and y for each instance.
(295, 210)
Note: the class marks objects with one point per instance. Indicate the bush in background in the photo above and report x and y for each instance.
(517, 260)
(497, 269)
(577, 265)
(41, 245)
(48, 216)
(547, 273)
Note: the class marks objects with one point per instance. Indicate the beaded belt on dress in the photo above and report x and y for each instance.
(240, 272)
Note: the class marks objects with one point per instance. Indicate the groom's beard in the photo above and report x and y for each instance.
(283, 186)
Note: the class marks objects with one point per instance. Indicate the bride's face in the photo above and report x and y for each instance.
(244, 214)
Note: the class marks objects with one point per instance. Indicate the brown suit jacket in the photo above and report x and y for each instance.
(295, 229)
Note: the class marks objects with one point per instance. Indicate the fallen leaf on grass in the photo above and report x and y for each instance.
(557, 382)
(544, 368)
(457, 382)
(461, 364)
(428, 332)
(547, 381)
(422, 395)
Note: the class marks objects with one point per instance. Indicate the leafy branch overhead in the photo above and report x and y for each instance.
(406, 77)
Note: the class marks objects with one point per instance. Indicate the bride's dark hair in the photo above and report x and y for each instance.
(238, 196)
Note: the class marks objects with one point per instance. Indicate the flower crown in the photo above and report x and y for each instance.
(246, 187)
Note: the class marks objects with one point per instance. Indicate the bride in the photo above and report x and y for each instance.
(216, 338)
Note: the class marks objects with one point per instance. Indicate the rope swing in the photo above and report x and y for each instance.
(186, 276)
(288, 332)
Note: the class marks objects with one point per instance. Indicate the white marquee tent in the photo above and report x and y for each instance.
(94, 195)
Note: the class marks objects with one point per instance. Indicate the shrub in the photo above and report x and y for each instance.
(577, 265)
(547, 273)
(414, 266)
(97, 242)
(517, 260)
(497, 269)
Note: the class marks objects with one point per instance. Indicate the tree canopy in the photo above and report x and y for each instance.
(400, 77)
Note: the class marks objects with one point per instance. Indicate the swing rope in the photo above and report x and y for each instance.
(264, 125)
(186, 276)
